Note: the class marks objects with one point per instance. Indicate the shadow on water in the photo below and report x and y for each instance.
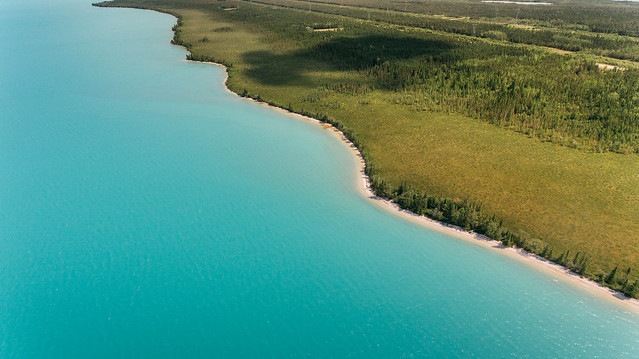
(342, 54)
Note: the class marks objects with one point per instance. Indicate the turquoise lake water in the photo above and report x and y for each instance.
(147, 213)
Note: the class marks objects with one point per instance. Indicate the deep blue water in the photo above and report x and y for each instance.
(147, 213)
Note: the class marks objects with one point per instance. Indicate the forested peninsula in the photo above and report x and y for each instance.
(516, 121)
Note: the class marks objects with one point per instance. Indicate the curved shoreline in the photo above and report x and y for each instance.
(364, 188)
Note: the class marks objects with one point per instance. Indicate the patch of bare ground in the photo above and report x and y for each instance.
(611, 67)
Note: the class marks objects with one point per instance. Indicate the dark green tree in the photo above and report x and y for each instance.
(611, 277)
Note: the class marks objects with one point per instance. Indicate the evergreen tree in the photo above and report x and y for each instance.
(632, 291)
(611, 277)
(627, 277)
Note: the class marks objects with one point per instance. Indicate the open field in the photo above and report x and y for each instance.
(606, 17)
(560, 30)
(541, 176)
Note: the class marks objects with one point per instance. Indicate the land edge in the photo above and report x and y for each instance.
(364, 188)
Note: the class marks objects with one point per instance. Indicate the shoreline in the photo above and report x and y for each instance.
(521, 255)
(364, 189)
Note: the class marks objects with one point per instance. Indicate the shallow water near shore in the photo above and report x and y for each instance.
(147, 212)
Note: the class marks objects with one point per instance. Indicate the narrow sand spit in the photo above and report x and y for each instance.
(536, 261)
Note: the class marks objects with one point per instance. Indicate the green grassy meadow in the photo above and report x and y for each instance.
(546, 180)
